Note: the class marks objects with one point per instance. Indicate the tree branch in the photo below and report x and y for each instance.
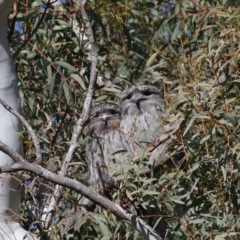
(164, 137)
(28, 127)
(21, 164)
(161, 146)
(81, 123)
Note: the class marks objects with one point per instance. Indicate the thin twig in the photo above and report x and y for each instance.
(34, 30)
(165, 137)
(28, 127)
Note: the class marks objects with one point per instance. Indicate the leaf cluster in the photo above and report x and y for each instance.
(189, 49)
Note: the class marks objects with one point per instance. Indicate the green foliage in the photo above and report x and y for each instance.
(190, 49)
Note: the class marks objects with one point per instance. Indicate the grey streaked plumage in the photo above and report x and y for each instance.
(141, 118)
(105, 139)
(142, 113)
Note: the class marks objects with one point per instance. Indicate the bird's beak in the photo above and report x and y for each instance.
(136, 98)
(105, 118)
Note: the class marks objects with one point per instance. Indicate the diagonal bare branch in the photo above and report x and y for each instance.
(21, 164)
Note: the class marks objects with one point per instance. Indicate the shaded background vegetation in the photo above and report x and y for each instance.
(190, 50)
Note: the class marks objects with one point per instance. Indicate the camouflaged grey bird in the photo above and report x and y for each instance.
(104, 127)
(142, 115)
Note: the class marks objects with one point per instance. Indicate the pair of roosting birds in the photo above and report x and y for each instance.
(133, 126)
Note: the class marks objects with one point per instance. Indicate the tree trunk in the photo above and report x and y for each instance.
(10, 188)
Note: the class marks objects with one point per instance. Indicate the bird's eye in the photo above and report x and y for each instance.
(113, 112)
(146, 93)
(96, 115)
(128, 96)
